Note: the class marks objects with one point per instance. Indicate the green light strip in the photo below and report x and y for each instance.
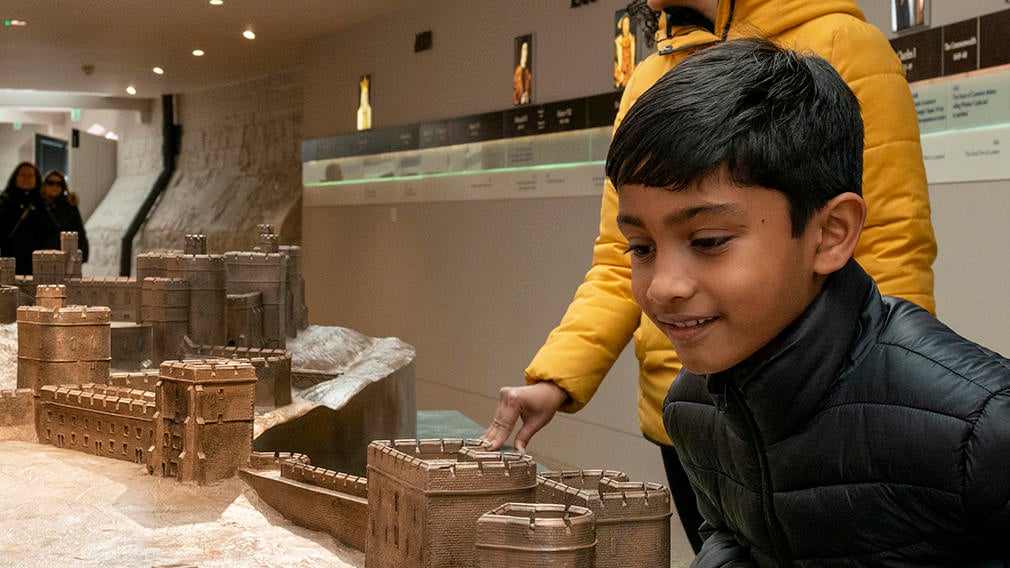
(451, 174)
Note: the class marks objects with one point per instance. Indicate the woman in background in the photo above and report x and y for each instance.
(61, 207)
(23, 222)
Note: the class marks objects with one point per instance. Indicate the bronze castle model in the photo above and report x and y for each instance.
(423, 503)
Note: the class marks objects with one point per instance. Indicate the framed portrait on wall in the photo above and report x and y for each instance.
(909, 14)
(626, 48)
(364, 102)
(522, 74)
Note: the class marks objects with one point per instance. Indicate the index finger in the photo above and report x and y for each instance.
(504, 421)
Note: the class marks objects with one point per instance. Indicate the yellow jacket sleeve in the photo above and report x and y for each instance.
(897, 246)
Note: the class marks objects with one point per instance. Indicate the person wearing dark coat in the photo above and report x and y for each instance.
(61, 207)
(24, 225)
(820, 424)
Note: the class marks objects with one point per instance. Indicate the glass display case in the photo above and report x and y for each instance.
(546, 165)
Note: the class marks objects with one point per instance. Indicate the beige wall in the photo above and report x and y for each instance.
(469, 68)
(17, 146)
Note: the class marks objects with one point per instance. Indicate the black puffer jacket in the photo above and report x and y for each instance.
(868, 434)
(24, 226)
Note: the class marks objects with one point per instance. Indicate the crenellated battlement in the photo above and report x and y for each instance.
(452, 465)
(603, 491)
(325, 478)
(141, 380)
(102, 281)
(632, 518)
(196, 244)
(540, 534)
(272, 460)
(201, 262)
(72, 315)
(269, 356)
(14, 393)
(122, 392)
(167, 284)
(208, 371)
(76, 397)
(256, 258)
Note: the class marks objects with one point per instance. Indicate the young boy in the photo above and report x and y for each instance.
(820, 424)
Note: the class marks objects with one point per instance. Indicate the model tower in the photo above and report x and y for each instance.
(62, 345)
(204, 419)
(425, 496)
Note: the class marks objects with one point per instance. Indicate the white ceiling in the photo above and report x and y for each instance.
(125, 39)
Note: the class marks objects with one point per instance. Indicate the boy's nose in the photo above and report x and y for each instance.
(670, 282)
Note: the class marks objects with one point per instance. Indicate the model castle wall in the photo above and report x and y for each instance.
(531, 535)
(110, 422)
(425, 496)
(273, 369)
(9, 296)
(120, 294)
(317, 498)
(205, 419)
(298, 312)
(165, 306)
(265, 273)
(245, 319)
(632, 518)
(16, 407)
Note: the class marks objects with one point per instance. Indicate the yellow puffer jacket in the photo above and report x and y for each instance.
(897, 246)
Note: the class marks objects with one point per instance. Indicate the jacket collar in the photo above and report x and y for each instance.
(784, 387)
(749, 18)
(769, 18)
(674, 37)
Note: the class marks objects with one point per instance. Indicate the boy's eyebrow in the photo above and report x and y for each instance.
(683, 215)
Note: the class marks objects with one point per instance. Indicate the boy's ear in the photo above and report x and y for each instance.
(841, 222)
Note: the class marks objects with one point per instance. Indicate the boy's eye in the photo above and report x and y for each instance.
(639, 251)
(709, 243)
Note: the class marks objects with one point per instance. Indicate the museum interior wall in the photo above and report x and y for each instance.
(475, 286)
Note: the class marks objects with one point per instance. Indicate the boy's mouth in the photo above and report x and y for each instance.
(685, 324)
(681, 330)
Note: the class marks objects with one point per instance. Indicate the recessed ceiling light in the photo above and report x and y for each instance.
(131, 90)
(216, 2)
(158, 71)
(198, 52)
(249, 34)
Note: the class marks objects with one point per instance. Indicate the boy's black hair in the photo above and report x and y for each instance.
(769, 116)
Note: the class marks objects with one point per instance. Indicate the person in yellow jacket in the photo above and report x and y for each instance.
(897, 246)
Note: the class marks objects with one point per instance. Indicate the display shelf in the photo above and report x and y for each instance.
(564, 164)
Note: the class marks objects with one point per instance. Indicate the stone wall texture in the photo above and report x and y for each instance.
(239, 166)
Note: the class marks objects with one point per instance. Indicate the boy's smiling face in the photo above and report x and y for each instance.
(716, 267)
